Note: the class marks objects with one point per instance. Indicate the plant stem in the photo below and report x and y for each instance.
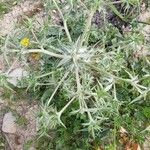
(43, 51)
(64, 21)
(64, 108)
(79, 90)
(12, 66)
(85, 35)
(59, 84)
(44, 75)
(140, 97)
(142, 22)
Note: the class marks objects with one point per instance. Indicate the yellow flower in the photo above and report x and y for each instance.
(25, 42)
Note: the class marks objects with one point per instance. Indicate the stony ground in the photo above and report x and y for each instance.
(18, 13)
(18, 122)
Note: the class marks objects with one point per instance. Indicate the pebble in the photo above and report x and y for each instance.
(9, 125)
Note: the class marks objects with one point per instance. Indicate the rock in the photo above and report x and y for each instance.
(145, 17)
(32, 148)
(1, 102)
(16, 75)
(9, 125)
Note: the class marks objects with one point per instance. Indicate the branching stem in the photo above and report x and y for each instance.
(43, 51)
(57, 87)
(85, 35)
(64, 21)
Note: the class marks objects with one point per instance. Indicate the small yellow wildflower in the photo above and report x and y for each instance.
(25, 42)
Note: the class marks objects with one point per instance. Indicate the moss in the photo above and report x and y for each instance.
(28, 144)
(22, 121)
(5, 110)
(3, 8)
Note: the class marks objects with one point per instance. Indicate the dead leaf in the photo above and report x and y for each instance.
(124, 138)
(132, 146)
(123, 130)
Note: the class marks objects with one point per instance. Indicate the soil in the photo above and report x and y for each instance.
(25, 114)
(18, 14)
(30, 8)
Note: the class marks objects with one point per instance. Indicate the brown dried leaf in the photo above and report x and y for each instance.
(132, 146)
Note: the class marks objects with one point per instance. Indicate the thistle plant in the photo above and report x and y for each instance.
(96, 80)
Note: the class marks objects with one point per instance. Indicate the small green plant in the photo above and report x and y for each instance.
(6, 6)
(2, 142)
(22, 121)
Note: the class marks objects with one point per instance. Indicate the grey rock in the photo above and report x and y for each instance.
(9, 125)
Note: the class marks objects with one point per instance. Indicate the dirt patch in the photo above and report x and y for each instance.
(145, 17)
(25, 114)
(18, 14)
